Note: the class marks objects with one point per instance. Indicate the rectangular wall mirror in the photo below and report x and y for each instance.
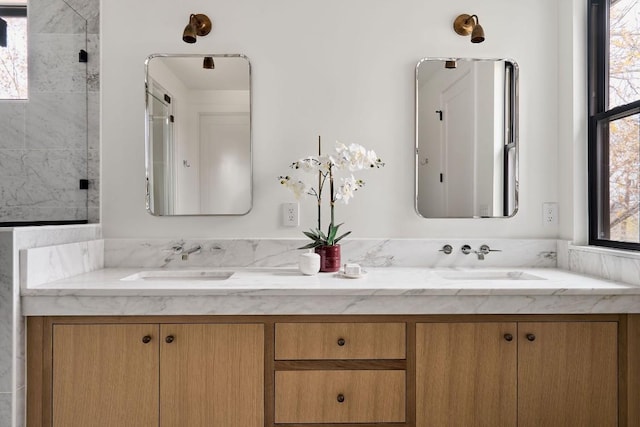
(466, 138)
(198, 135)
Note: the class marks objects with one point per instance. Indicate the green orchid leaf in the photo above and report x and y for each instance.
(341, 237)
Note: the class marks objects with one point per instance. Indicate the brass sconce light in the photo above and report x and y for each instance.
(199, 25)
(469, 24)
(207, 63)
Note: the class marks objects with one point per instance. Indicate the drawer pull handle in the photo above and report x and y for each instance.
(508, 337)
(531, 337)
(169, 339)
(341, 342)
(146, 339)
(341, 398)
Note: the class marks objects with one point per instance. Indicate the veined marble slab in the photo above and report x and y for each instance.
(366, 252)
(286, 291)
(51, 263)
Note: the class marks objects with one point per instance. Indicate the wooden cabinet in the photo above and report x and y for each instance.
(567, 374)
(555, 374)
(466, 374)
(105, 372)
(164, 375)
(334, 371)
(212, 375)
(337, 373)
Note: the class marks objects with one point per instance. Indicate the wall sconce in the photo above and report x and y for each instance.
(469, 24)
(207, 63)
(199, 25)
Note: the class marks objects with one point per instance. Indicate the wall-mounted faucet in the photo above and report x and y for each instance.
(194, 250)
(481, 252)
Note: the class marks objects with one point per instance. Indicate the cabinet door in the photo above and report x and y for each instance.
(466, 374)
(105, 375)
(212, 375)
(567, 374)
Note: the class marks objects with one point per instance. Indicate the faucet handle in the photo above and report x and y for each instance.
(447, 249)
(485, 249)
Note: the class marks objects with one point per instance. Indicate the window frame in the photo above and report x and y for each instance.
(599, 115)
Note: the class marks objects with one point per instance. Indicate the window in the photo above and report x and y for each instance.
(13, 51)
(614, 123)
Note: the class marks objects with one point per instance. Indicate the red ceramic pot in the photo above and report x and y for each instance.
(329, 258)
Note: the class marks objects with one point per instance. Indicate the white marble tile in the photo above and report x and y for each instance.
(6, 310)
(93, 174)
(93, 126)
(606, 264)
(367, 252)
(563, 254)
(33, 237)
(42, 185)
(19, 413)
(50, 263)
(53, 179)
(57, 121)
(88, 9)
(54, 65)
(93, 66)
(5, 410)
(12, 123)
(54, 17)
(93, 215)
(238, 305)
(21, 214)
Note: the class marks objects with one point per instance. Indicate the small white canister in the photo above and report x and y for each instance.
(309, 263)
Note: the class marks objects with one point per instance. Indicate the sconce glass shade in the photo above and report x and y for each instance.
(208, 63)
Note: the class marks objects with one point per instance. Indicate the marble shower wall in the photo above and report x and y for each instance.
(51, 139)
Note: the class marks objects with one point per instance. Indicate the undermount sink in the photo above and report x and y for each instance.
(488, 275)
(180, 275)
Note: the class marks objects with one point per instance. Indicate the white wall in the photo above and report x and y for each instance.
(342, 69)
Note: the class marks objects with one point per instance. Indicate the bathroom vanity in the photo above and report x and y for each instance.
(269, 347)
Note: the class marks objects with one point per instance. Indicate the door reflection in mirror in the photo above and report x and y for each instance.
(466, 138)
(198, 128)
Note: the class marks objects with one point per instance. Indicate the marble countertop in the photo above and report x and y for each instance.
(282, 290)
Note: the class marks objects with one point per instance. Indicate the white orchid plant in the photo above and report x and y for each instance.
(350, 158)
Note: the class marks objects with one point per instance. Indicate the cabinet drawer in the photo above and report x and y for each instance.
(300, 341)
(340, 396)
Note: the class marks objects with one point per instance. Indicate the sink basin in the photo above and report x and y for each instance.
(180, 275)
(488, 275)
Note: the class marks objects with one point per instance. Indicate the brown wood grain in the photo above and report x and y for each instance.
(300, 341)
(567, 376)
(104, 375)
(212, 375)
(35, 361)
(466, 375)
(312, 396)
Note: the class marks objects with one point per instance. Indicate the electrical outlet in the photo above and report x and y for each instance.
(550, 213)
(290, 214)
